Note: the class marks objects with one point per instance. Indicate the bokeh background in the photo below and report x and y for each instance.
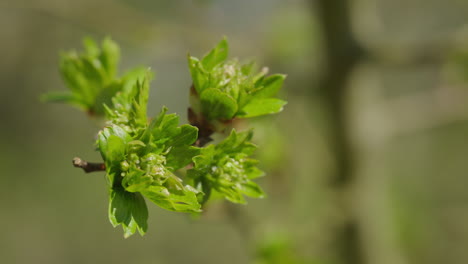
(367, 164)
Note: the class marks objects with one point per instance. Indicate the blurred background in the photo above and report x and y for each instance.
(367, 164)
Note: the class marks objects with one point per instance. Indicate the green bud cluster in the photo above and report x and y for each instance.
(143, 159)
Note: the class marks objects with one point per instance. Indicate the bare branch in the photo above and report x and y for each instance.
(88, 166)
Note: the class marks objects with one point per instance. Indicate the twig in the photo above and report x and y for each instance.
(204, 127)
(88, 166)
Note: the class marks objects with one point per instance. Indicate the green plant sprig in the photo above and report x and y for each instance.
(224, 90)
(143, 157)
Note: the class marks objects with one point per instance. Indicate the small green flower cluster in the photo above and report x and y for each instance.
(143, 159)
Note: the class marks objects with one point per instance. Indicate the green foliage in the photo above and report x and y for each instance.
(142, 158)
(128, 107)
(144, 162)
(91, 77)
(129, 210)
(227, 168)
(225, 90)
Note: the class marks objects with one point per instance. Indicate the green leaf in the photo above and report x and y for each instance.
(140, 102)
(110, 57)
(179, 157)
(269, 86)
(165, 134)
(237, 143)
(216, 55)
(227, 89)
(205, 159)
(168, 127)
(135, 181)
(159, 119)
(264, 106)
(71, 69)
(129, 210)
(112, 142)
(187, 136)
(199, 76)
(91, 75)
(91, 47)
(251, 189)
(217, 105)
(104, 97)
(121, 133)
(133, 75)
(115, 148)
(253, 172)
(128, 108)
(232, 194)
(162, 128)
(226, 169)
(105, 146)
(182, 201)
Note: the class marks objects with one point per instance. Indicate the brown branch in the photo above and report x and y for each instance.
(88, 166)
(205, 130)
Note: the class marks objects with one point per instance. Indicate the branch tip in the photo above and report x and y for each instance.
(88, 166)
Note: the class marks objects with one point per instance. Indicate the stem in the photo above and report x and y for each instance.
(202, 141)
(204, 127)
(88, 166)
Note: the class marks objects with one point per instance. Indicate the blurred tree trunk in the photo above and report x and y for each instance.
(342, 53)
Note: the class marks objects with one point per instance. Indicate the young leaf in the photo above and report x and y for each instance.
(91, 76)
(179, 157)
(106, 148)
(115, 148)
(187, 136)
(110, 57)
(91, 48)
(216, 55)
(132, 76)
(252, 189)
(226, 168)
(270, 86)
(217, 105)
(112, 143)
(139, 104)
(181, 201)
(145, 162)
(263, 106)
(199, 76)
(128, 108)
(225, 90)
(129, 210)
